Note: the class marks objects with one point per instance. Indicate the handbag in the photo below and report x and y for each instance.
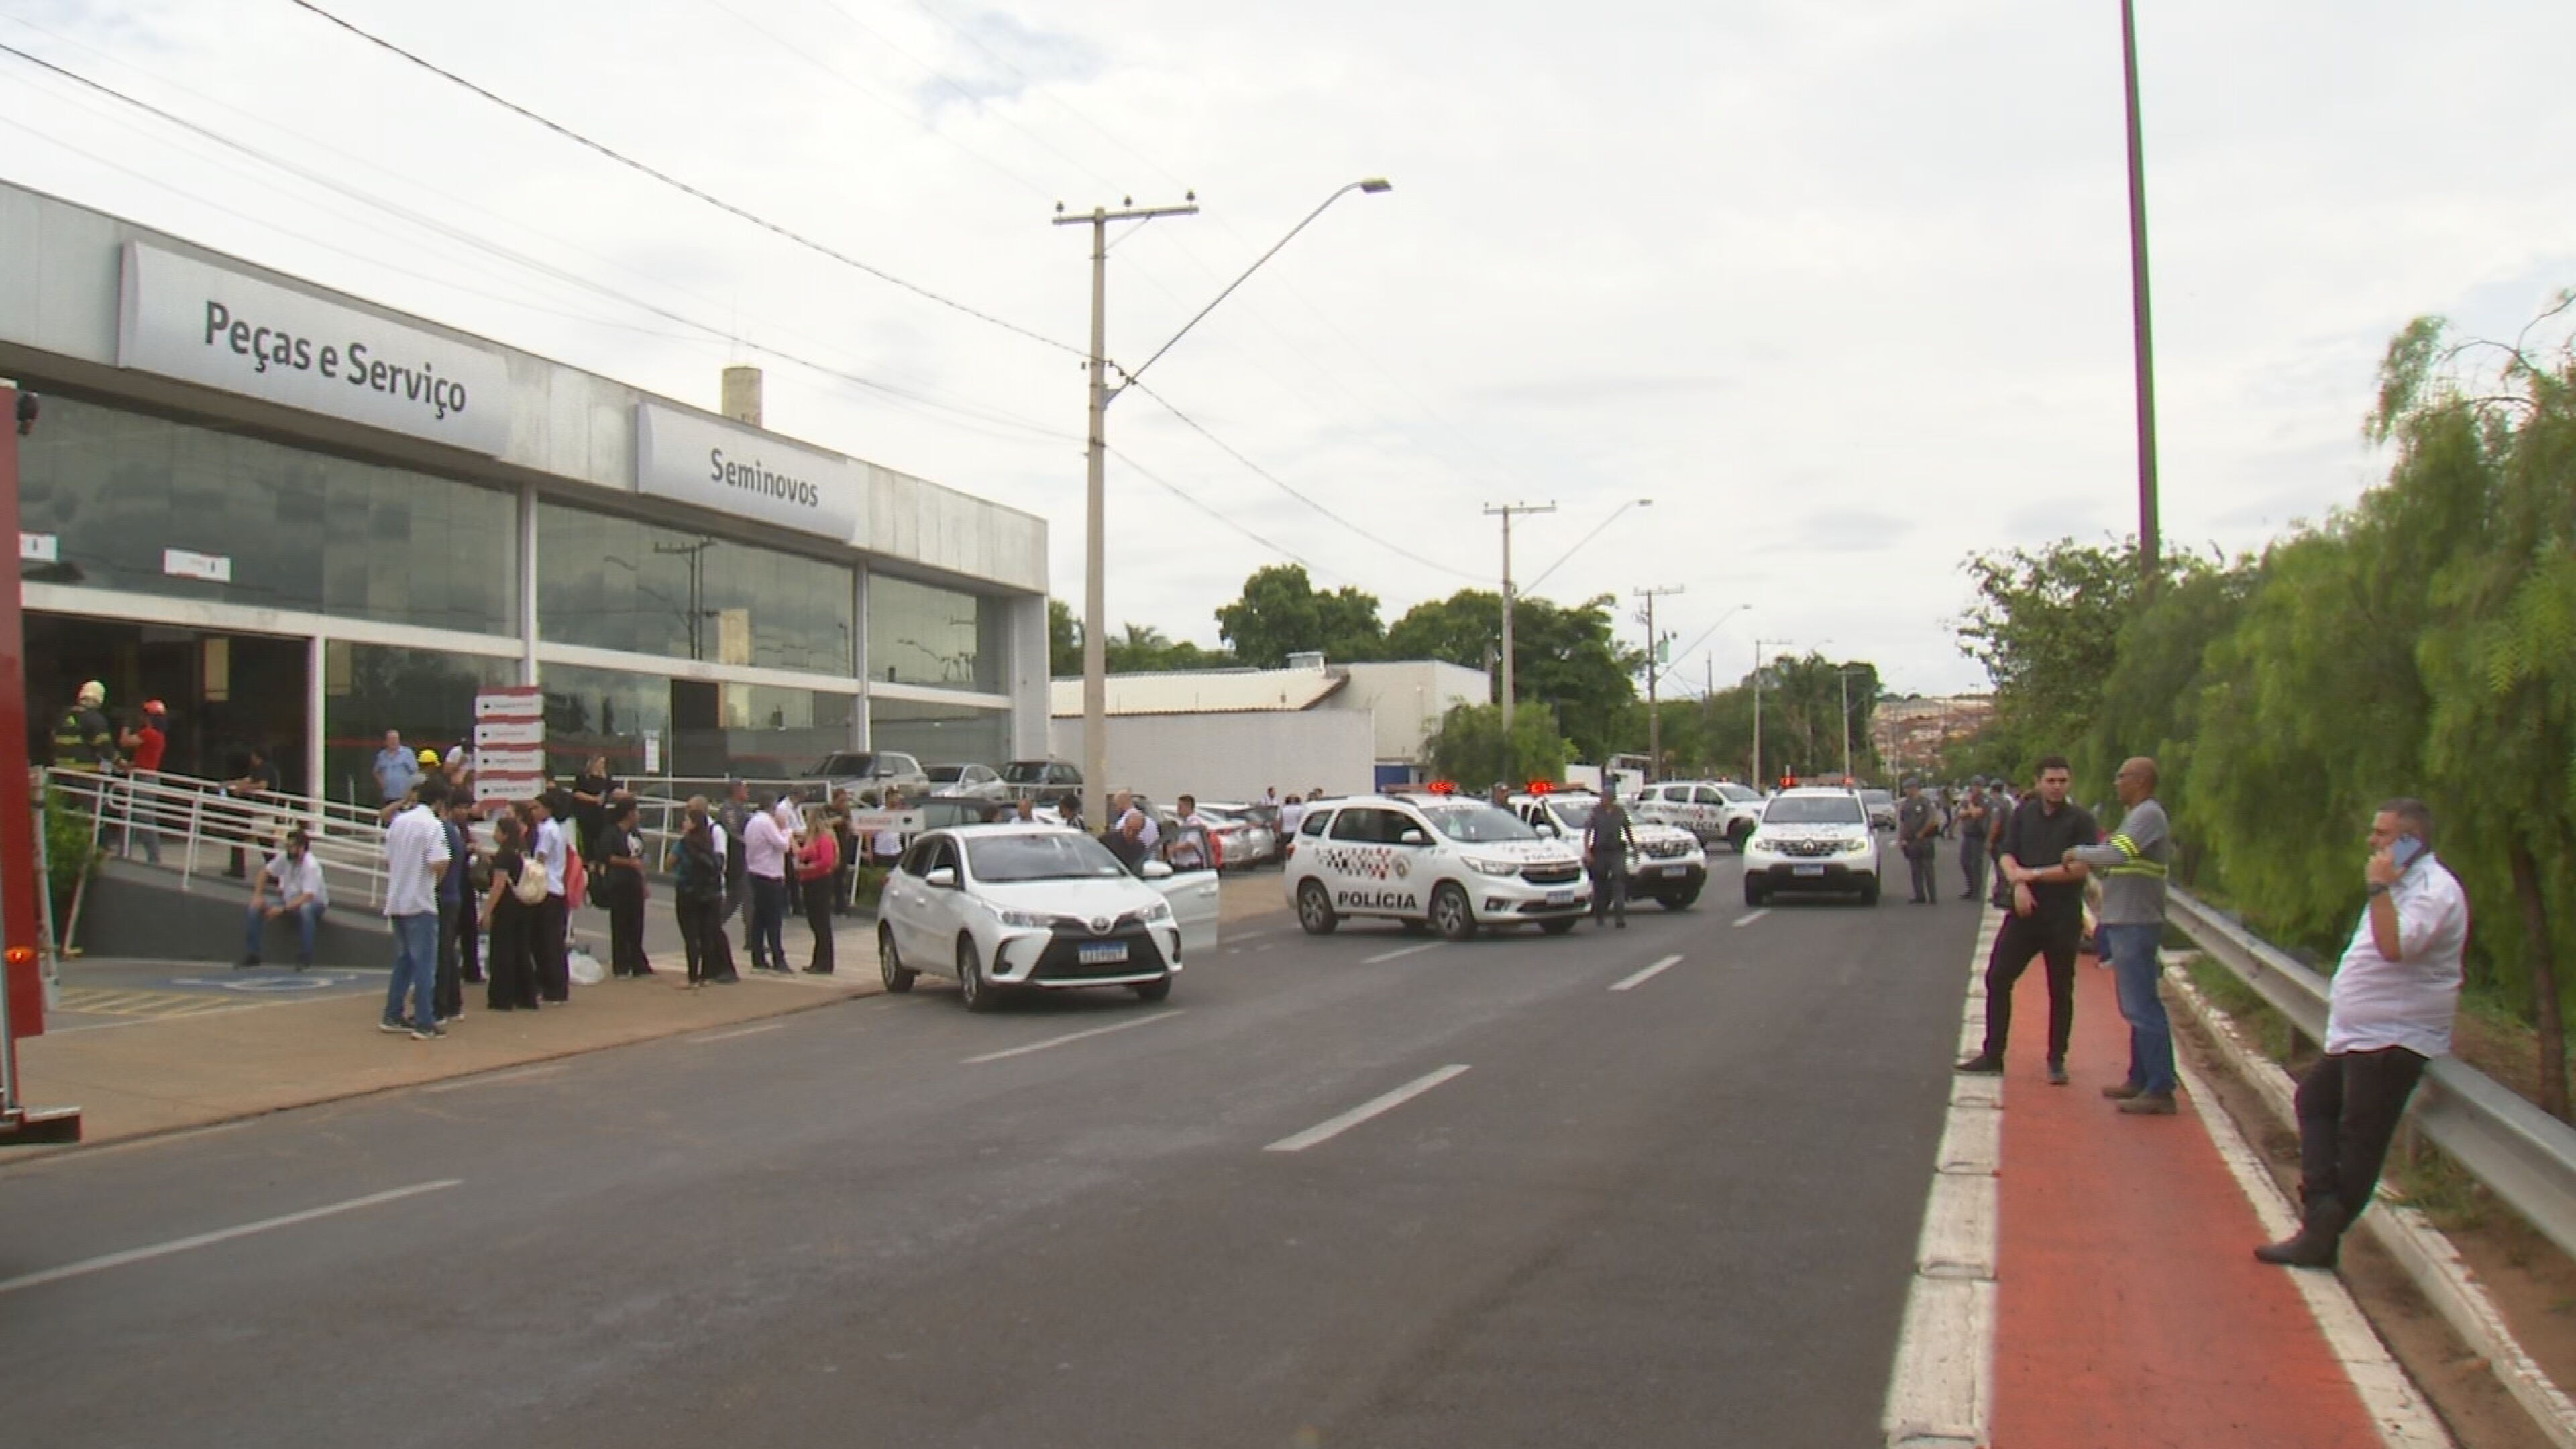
(533, 885)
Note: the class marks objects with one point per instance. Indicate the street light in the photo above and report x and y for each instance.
(1095, 608)
(1845, 675)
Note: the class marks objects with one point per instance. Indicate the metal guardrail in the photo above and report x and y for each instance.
(2522, 1154)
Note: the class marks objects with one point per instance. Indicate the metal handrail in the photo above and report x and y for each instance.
(2522, 1154)
(187, 815)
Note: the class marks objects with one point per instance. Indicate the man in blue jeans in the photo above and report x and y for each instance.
(2132, 865)
(416, 855)
(295, 878)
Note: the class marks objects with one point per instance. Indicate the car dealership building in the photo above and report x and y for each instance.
(301, 519)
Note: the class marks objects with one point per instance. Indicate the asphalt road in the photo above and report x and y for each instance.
(1682, 1212)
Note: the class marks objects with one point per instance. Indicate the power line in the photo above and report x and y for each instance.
(1204, 507)
(719, 203)
(1291, 490)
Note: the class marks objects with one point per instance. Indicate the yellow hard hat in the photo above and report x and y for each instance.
(429, 757)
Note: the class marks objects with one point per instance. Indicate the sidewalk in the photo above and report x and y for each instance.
(2130, 1308)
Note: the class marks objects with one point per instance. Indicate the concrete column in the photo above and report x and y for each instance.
(528, 583)
(860, 724)
(317, 675)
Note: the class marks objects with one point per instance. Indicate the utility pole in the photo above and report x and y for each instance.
(1846, 675)
(1760, 780)
(2149, 564)
(1654, 714)
(1511, 757)
(1095, 606)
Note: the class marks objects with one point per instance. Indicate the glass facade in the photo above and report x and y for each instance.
(698, 729)
(368, 689)
(923, 634)
(644, 588)
(941, 734)
(299, 530)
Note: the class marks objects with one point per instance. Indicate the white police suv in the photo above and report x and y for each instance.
(1438, 860)
(1667, 865)
(1812, 839)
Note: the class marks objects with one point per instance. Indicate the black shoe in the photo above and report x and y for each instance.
(1983, 1064)
(303, 963)
(2150, 1104)
(2316, 1242)
(2122, 1091)
(247, 962)
(1623, 923)
(818, 970)
(2057, 1074)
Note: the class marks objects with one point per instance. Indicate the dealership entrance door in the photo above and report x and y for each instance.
(225, 692)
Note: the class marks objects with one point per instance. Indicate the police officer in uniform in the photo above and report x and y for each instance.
(83, 739)
(1918, 834)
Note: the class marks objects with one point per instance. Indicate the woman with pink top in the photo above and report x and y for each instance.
(818, 860)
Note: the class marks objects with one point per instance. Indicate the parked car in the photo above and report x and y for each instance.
(1881, 806)
(1242, 839)
(868, 774)
(1812, 839)
(1002, 909)
(1667, 864)
(967, 779)
(1043, 778)
(1713, 810)
(944, 809)
(1443, 862)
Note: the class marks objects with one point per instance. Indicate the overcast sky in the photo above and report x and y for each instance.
(1842, 287)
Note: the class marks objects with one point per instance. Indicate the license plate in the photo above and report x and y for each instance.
(1560, 898)
(1806, 870)
(1672, 870)
(1102, 953)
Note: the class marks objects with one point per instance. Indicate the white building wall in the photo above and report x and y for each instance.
(1407, 698)
(1232, 756)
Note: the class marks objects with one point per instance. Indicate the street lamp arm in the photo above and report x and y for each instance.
(1686, 650)
(1373, 185)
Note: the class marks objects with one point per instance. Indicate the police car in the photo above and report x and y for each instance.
(1713, 810)
(1812, 839)
(1667, 863)
(1441, 861)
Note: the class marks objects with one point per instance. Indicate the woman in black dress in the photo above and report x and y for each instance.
(698, 888)
(509, 965)
(622, 882)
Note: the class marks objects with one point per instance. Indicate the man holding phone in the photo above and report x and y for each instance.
(2047, 917)
(2388, 1012)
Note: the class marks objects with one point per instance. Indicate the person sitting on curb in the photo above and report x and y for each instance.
(295, 878)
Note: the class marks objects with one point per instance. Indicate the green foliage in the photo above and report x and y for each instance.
(2422, 642)
(1281, 613)
(1142, 647)
(69, 857)
(1064, 640)
(1467, 746)
(1567, 656)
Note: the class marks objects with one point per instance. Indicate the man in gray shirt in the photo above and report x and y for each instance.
(2131, 866)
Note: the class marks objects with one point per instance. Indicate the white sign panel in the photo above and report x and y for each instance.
(746, 473)
(204, 324)
(39, 548)
(179, 563)
(509, 742)
(513, 701)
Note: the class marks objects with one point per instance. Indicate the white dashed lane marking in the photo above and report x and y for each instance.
(1401, 951)
(1332, 1127)
(1649, 974)
(1749, 917)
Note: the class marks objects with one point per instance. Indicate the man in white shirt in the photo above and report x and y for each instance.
(1190, 849)
(887, 843)
(415, 857)
(765, 842)
(2388, 1013)
(553, 919)
(1291, 815)
(294, 877)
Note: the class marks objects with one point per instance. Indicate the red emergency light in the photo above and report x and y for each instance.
(1442, 787)
(1542, 787)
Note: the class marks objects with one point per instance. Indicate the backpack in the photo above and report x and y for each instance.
(533, 885)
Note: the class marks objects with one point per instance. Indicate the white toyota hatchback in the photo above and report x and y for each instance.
(1003, 908)
(1812, 840)
(1452, 864)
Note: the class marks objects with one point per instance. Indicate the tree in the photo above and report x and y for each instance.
(1567, 656)
(1281, 613)
(1467, 746)
(1064, 640)
(2046, 625)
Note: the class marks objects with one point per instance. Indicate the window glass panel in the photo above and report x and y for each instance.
(703, 731)
(622, 583)
(300, 529)
(370, 688)
(922, 634)
(944, 734)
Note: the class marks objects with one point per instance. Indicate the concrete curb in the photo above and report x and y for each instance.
(2420, 1248)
